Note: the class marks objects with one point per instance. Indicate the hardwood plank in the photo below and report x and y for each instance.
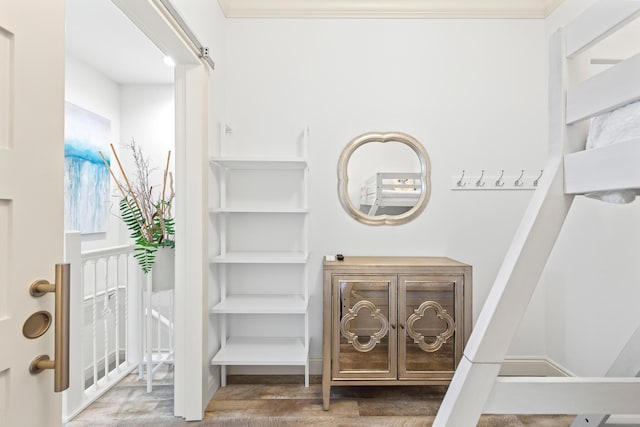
(267, 392)
(274, 400)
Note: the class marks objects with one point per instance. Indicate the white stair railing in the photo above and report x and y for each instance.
(104, 314)
(117, 323)
(158, 308)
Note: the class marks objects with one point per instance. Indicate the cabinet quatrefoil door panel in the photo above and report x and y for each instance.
(394, 320)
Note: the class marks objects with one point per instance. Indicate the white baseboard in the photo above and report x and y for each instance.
(529, 367)
(623, 420)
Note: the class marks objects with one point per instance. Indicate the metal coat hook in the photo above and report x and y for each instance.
(228, 130)
(499, 181)
(460, 182)
(480, 182)
(535, 182)
(519, 182)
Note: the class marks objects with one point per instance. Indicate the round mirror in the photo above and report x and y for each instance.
(384, 178)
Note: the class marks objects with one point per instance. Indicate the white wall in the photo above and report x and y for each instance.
(472, 91)
(592, 274)
(148, 113)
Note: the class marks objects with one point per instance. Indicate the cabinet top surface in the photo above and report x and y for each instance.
(399, 261)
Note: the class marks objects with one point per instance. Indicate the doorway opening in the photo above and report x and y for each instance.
(119, 92)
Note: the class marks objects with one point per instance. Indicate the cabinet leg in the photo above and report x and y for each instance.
(326, 395)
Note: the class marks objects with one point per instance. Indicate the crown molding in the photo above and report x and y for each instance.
(505, 9)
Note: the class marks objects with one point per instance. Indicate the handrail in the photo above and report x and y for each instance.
(101, 253)
(111, 291)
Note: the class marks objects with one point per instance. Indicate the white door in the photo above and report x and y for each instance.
(31, 199)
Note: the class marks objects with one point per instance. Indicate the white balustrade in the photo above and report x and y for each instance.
(107, 332)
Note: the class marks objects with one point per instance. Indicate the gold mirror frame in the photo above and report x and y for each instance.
(384, 219)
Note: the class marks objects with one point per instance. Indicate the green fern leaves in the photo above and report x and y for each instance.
(148, 237)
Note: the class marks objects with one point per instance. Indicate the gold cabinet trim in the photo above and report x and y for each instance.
(442, 338)
(373, 339)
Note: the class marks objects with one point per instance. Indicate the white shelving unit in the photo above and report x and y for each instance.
(261, 257)
(262, 350)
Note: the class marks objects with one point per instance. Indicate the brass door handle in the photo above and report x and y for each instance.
(60, 362)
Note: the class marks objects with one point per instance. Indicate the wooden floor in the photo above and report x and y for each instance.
(284, 401)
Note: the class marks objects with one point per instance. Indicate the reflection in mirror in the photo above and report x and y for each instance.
(383, 178)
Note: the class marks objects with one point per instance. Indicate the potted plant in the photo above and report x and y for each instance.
(147, 211)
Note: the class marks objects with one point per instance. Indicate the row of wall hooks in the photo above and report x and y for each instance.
(500, 181)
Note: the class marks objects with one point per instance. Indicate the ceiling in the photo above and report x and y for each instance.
(100, 35)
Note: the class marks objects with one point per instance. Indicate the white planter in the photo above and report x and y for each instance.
(163, 272)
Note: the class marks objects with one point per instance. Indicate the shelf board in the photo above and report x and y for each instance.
(261, 304)
(261, 257)
(260, 163)
(260, 210)
(262, 351)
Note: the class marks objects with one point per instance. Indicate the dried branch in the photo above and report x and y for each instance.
(153, 223)
(120, 187)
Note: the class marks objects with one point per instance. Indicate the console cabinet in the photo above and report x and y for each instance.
(394, 320)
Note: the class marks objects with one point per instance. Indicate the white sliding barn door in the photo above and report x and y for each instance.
(31, 199)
